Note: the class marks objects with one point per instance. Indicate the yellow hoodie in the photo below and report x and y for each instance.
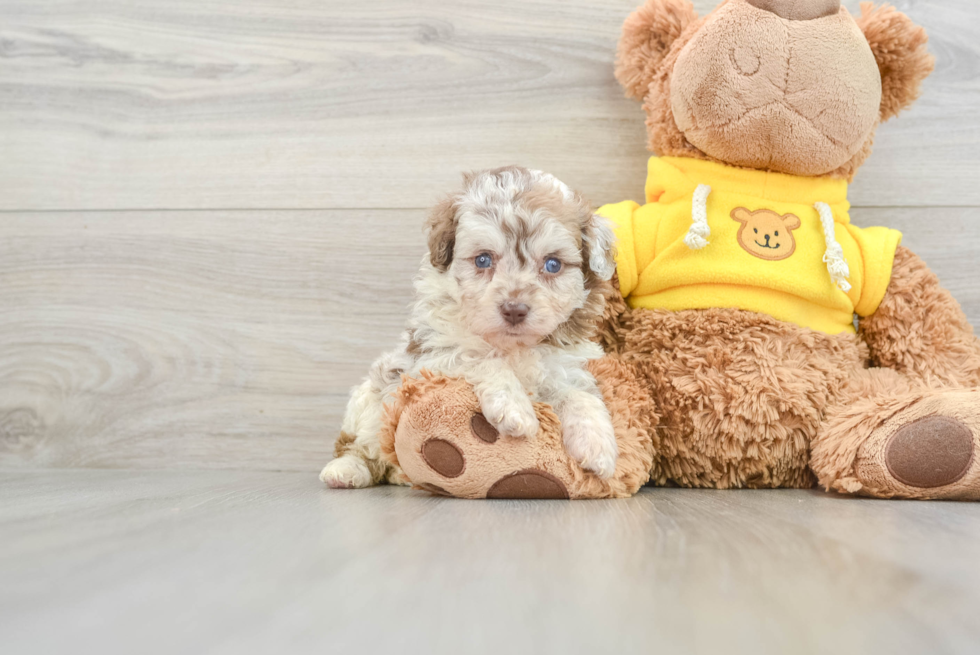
(713, 235)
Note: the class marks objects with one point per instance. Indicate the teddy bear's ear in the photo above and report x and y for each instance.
(791, 221)
(441, 226)
(899, 47)
(647, 36)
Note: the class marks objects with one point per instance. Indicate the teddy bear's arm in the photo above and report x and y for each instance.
(920, 330)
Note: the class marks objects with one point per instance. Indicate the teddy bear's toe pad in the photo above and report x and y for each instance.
(444, 458)
(482, 429)
(933, 451)
(529, 483)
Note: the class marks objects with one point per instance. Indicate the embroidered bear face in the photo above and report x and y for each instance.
(766, 234)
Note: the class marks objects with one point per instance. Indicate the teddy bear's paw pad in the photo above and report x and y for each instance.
(933, 451)
(482, 429)
(444, 458)
(529, 484)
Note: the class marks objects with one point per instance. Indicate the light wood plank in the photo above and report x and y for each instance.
(188, 339)
(230, 339)
(336, 104)
(231, 562)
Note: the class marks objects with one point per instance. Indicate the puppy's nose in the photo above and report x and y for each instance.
(514, 312)
(798, 9)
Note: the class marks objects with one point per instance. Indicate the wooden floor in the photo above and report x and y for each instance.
(253, 562)
(210, 214)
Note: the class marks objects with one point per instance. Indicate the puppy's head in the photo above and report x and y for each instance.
(528, 256)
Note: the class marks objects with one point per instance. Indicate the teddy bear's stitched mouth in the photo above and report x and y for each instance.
(766, 245)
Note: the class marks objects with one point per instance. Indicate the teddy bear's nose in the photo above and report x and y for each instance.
(798, 9)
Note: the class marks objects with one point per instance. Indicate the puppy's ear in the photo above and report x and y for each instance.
(899, 47)
(441, 226)
(791, 221)
(469, 176)
(647, 36)
(599, 247)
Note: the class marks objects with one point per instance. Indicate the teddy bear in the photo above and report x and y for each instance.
(756, 338)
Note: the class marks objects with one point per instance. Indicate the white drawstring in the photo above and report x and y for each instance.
(697, 236)
(834, 257)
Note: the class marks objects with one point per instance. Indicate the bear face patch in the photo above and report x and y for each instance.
(765, 234)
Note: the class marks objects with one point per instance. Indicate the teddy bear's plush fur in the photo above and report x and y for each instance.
(721, 397)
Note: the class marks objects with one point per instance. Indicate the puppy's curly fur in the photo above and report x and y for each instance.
(508, 298)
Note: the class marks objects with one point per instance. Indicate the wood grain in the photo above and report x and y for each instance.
(229, 339)
(237, 562)
(218, 339)
(164, 104)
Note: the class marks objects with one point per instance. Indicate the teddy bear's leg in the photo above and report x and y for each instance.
(909, 429)
(920, 330)
(435, 432)
(894, 437)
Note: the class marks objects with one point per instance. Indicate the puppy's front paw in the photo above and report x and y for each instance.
(590, 440)
(347, 472)
(513, 416)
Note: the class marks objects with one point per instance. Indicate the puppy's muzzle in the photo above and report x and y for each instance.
(513, 312)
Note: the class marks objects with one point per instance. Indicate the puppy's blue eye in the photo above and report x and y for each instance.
(483, 260)
(756, 230)
(552, 265)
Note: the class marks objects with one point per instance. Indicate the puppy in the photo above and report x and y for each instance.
(508, 299)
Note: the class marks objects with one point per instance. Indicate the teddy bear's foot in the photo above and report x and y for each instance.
(451, 462)
(437, 435)
(927, 450)
(446, 446)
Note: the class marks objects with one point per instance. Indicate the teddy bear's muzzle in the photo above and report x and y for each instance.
(798, 9)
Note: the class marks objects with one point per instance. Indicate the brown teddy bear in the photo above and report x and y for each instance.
(764, 341)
